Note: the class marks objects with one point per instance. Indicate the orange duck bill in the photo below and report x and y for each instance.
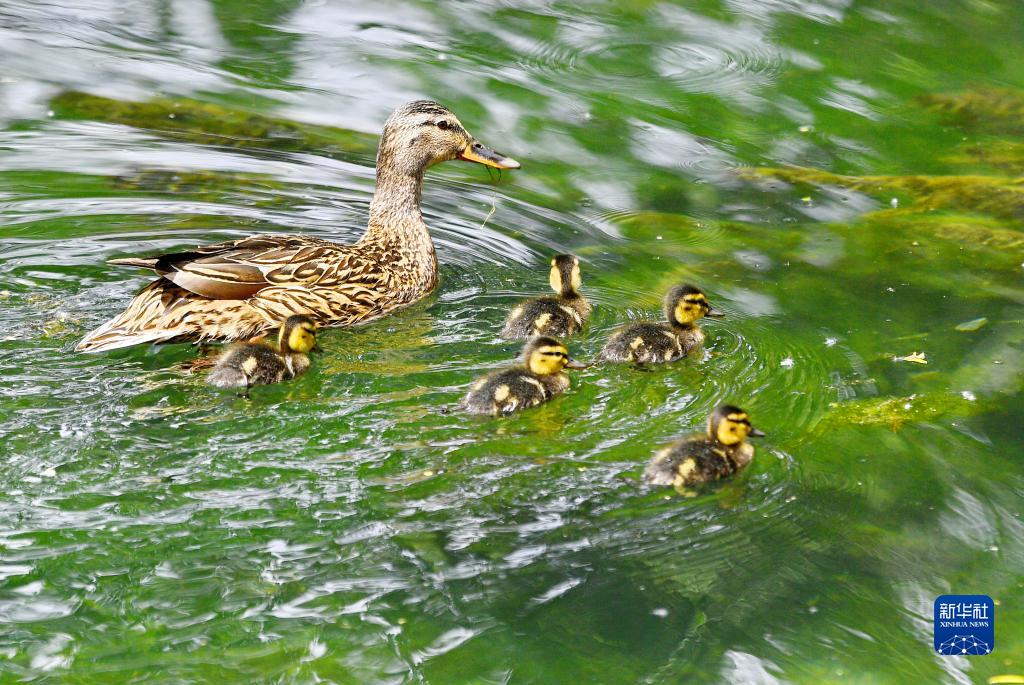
(481, 154)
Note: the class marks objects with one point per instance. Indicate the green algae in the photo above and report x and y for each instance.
(968, 231)
(1003, 156)
(257, 190)
(205, 123)
(894, 412)
(993, 195)
(703, 236)
(999, 110)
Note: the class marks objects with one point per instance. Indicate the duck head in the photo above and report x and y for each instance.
(729, 425)
(565, 276)
(685, 304)
(422, 133)
(545, 356)
(298, 335)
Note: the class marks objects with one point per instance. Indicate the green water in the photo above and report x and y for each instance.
(343, 528)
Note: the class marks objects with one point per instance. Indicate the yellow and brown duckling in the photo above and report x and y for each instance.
(720, 452)
(654, 343)
(538, 377)
(244, 365)
(553, 316)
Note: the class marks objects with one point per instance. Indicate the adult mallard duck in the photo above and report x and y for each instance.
(237, 289)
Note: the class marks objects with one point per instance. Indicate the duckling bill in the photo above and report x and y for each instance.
(557, 317)
(538, 377)
(244, 365)
(655, 343)
(722, 451)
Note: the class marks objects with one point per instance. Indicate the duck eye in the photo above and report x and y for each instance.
(443, 124)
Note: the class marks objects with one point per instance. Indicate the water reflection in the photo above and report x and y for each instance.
(343, 527)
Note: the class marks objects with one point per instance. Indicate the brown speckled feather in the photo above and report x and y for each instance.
(337, 285)
(237, 289)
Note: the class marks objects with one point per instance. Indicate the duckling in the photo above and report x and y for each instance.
(244, 365)
(554, 316)
(537, 378)
(652, 343)
(723, 451)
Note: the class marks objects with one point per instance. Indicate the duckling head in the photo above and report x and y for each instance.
(730, 425)
(685, 304)
(546, 356)
(298, 334)
(422, 133)
(565, 275)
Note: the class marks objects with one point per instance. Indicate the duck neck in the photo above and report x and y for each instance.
(575, 300)
(396, 222)
(568, 293)
(396, 201)
(555, 383)
(296, 363)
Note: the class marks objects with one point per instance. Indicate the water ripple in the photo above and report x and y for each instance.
(349, 526)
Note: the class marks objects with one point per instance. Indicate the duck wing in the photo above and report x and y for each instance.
(238, 269)
(237, 289)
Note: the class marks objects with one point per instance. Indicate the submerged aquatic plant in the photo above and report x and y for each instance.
(210, 124)
(998, 195)
(993, 195)
(998, 110)
(1005, 156)
(896, 411)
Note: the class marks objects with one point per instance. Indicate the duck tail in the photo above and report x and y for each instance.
(163, 312)
(114, 335)
(141, 262)
(141, 322)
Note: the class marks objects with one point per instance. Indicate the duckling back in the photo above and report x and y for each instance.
(507, 391)
(246, 365)
(644, 343)
(696, 460)
(551, 316)
(556, 317)
(537, 378)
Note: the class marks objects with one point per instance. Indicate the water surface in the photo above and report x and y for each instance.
(342, 527)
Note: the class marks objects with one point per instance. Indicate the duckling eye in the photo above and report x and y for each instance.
(442, 124)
